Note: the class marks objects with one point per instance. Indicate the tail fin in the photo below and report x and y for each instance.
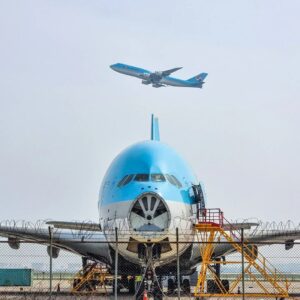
(154, 129)
(200, 77)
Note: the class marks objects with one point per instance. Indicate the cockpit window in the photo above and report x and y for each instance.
(122, 180)
(125, 180)
(170, 179)
(158, 177)
(141, 177)
(178, 183)
(173, 180)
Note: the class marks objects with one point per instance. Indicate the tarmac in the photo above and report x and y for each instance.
(39, 290)
(17, 295)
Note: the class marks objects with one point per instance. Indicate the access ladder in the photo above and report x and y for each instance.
(213, 229)
(90, 277)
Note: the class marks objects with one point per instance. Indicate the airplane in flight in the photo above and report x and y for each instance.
(159, 78)
(147, 192)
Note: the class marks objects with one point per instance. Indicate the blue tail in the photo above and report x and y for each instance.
(198, 78)
(154, 129)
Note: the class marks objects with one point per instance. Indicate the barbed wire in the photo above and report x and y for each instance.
(185, 226)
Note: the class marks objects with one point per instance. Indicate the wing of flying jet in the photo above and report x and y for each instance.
(158, 74)
(156, 77)
(169, 72)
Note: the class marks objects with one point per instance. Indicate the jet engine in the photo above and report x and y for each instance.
(146, 82)
(145, 75)
(14, 243)
(55, 251)
(158, 74)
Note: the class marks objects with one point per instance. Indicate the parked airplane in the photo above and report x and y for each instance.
(159, 78)
(148, 191)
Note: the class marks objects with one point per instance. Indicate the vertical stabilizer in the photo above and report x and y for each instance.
(200, 77)
(154, 129)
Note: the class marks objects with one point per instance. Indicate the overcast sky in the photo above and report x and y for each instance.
(64, 114)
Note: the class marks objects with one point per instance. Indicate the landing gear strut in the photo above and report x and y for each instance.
(149, 252)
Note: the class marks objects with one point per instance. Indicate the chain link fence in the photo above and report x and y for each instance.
(178, 267)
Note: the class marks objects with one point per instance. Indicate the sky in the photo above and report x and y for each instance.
(64, 114)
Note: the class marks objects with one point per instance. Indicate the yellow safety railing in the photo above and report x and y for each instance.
(210, 231)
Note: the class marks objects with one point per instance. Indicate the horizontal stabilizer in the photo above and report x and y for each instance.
(82, 226)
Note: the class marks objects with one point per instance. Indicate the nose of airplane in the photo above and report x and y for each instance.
(114, 66)
(149, 213)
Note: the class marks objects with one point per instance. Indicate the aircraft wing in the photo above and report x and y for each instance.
(88, 226)
(286, 237)
(270, 237)
(274, 236)
(168, 72)
(84, 240)
(266, 234)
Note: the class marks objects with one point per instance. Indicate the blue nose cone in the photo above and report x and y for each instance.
(116, 67)
(113, 66)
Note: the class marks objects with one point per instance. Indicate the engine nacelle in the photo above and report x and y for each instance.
(145, 75)
(55, 251)
(289, 244)
(146, 82)
(158, 74)
(14, 243)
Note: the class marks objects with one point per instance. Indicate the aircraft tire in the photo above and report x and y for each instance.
(171, 286)
(131, 286)
(186, 286)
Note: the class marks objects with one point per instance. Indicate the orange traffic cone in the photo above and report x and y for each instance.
(145, 296)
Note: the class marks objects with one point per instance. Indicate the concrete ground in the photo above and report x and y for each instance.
(39, 290)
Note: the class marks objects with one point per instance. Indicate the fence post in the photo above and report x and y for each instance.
(116, 264)
(50, 255)
(178, 270)
(243, 262)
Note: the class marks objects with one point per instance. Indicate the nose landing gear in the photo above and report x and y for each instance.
(150, 284)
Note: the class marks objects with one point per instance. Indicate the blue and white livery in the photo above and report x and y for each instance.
(148, 192)
(159, 78)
